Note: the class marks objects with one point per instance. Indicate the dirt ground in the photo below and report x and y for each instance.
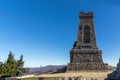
(99, 75)
(96, 75)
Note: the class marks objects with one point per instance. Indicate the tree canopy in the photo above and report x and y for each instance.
(12, 67)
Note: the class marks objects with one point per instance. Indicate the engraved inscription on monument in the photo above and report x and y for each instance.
(85, 55)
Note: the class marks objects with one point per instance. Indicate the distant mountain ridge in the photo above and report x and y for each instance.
(46, 69)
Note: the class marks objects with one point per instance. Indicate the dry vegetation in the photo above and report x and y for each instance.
(95, 75)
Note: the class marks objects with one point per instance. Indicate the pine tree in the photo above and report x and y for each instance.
(21, 62)
(10, 57)
(20, 65)
(10, 65)
(1, 68)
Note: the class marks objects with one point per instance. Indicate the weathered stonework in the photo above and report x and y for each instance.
(85, 54)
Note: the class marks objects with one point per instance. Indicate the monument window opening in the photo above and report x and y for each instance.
(86, 34)
(80, 28)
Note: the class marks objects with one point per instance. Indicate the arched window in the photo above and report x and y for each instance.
(86, 34)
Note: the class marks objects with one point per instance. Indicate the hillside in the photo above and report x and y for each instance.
(45, 69)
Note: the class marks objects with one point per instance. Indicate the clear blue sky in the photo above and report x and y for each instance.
(45, 30)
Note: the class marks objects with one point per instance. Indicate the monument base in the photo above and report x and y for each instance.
(86, 59)
(86, 67)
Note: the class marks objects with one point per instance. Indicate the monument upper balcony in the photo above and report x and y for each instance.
(84, 15)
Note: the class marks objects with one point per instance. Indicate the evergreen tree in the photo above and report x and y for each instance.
(20, 65)
(10, 57)
(21, 62)
(10, 65)
(1, 67)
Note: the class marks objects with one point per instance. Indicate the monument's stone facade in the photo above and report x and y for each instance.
(85, 54)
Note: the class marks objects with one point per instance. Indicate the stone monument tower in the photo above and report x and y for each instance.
(85, 54)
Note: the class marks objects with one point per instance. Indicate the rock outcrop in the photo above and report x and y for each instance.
(115, 75)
